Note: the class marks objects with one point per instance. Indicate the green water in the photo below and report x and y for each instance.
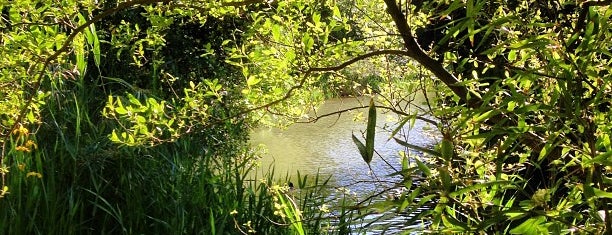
(326, 145)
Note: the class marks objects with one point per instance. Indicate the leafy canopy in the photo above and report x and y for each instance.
(519, 90)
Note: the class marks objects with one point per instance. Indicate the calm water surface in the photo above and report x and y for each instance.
(326, 146)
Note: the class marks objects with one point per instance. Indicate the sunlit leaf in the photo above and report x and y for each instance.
(532, 226)
(96, 44)
(478, 187)
(276, 35)
(512, 55)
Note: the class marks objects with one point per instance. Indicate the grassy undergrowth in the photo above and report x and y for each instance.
(74, 180)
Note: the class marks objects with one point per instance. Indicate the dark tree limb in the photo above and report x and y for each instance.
(308, 72)
(396, 111)
(416, 52)
(581, 22)
(472, 100)
(358, 58)
(584, 11)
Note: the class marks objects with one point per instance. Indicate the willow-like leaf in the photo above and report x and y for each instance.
(96, 44)
(370, 132)
(401, 124)
(479, 187)
(360, 146)
(418, 148)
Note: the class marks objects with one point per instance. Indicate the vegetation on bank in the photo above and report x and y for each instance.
(134, 127)
(131, 116)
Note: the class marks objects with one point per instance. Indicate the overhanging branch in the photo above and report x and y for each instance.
(392, 109)
(581, 22)
(241, 3)
(64, 48)
(416, 53)
(308, 72)
(358, 58)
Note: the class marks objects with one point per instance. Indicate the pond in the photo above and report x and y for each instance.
(326, 146)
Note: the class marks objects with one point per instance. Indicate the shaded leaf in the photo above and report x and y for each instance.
(418, 148)
(424, 168)
(361, 147)
(370, 132)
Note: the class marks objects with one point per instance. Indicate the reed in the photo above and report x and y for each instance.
(76, 181)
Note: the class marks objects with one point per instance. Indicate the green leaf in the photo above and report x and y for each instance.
(370, 131)
(308, 42)
(418, 148)
(453, 6)
(478, 187)
(360, 147)
(316, 18)
(252, 80)
(548, 147)
(453, 224)
(604, 158)
(532, 226)
(121, 110)
(486, 115)
(134, 100)
(290, 56)
(367, 150)
(446, 179)
(276, 32)
(400, 125)
(337, 12)
(512, 55)
(31, 117)
(511, 106)
(446, 149)
(602, 194)
(424, 168)
(96, 44)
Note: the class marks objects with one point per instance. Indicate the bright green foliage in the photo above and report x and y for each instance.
(166, 90)
(288, 209)
(518, 151)
(154, 122)
(105, 129)
(517, 89)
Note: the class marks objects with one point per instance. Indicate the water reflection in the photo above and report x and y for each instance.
(326, 145)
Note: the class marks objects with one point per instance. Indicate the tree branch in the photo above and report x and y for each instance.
(416, 53)
(581, 22)
(358, 58)
(323, 69)
(241, 3)
(64, 48)
(471, 98)
(340, 112)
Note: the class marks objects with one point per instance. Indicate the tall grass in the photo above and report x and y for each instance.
(75, 181)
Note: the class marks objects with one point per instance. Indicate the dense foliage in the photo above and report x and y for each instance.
(108, 107)
(126, 118)
(519, 91)
(526, 136)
